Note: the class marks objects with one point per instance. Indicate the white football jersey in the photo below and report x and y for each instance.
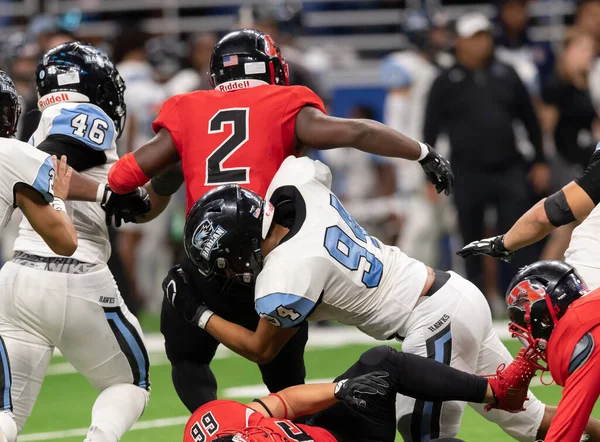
(328, 267)
(90, 125)
(584, 249)
(22, 164)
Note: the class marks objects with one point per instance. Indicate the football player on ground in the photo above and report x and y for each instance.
(32, 180)
(577, 201)
(359, 406)
(311, 260)
(47, 300)
(240, 133)
(551, 310)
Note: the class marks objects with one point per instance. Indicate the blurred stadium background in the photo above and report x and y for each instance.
(370, 59)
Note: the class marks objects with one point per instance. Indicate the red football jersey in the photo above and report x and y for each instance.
(221, 415)
(238, 136)
(582, 388)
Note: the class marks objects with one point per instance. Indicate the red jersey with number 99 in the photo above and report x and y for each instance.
(239, 134)
(212, 419)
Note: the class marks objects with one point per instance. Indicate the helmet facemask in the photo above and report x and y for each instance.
(533, 314)
(10, 110)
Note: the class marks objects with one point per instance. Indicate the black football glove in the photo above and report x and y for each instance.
(438, 171)
(125, 207)
(355, 392)
(493, 247)
(178, 292)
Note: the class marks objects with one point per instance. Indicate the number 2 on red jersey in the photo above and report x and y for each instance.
(216, 174)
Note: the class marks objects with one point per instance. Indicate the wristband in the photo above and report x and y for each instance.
(100, 193)
(204, 317)
(285, 409)
(424, 150)
(59, 204)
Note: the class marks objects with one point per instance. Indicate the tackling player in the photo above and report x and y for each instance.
(550, 308)
(577, 201)
(312, 261)
(359, 406)
(47, 300)
(32, 180)
(240, 133)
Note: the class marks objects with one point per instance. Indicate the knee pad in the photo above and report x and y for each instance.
(8, 427)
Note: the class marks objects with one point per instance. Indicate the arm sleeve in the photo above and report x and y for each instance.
(286, 295)
(169, 181)
(589, 180)
(169, 119)
(579, 397)
(80, 155)
(433, 112)
(87, 124)
(527, 115)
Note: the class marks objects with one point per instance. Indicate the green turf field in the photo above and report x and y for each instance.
(66, 399)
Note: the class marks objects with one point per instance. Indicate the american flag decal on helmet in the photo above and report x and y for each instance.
(230, 60)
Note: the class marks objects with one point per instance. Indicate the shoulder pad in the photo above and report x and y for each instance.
(581, 353)
(86, 123)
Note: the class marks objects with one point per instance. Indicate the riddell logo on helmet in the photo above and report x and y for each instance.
(234, 85)
(61, 97)
(53, 99)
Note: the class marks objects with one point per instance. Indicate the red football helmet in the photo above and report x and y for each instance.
(537, 297)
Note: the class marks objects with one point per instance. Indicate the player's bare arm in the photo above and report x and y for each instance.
(320, 131)
(302, 400)
(573, 202)
(51, 221)
(260, 346)
(135, 169)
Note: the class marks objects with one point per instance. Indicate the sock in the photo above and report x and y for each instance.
(8, 427)
(115, 411)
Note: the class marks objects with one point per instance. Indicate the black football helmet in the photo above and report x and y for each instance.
(10, 108)
(223, 233)
(537, 297)
(245, 55)
(86, 70)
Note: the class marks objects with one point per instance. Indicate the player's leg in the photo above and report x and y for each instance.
(448, 327)
(25, 359)
(104, 342)
(190, 351)
(407, 374)
(287, 368)
(522, 426)
(24, 350)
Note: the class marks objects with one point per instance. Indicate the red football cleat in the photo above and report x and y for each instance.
(510, 384)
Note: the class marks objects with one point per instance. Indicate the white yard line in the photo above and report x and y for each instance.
(76, 432)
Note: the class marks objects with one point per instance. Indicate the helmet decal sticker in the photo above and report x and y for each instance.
(206, 238)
